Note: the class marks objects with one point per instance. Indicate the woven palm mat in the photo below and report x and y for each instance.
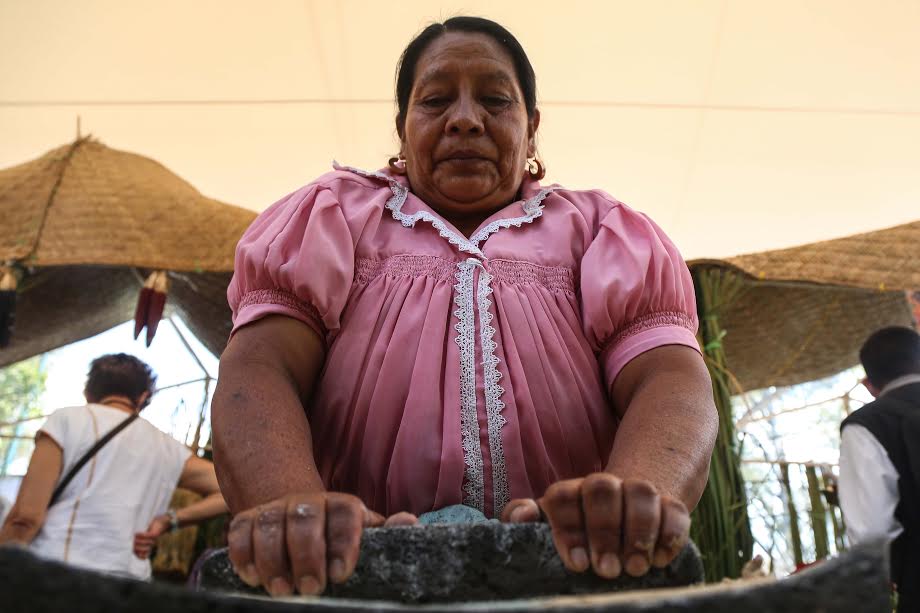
(886, 259)
(808, 309)
(784, 335)
(85, 203)
(61, 305)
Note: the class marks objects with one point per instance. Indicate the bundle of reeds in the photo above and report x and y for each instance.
(721, 527)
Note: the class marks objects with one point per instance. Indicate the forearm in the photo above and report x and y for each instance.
(262, 442)
(20, 528)
(667, 433)
(206, 508)
(28, 514)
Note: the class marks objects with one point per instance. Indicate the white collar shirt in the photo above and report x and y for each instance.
(868, 484)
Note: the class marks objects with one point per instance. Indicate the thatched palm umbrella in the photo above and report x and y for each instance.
(78, 224)
(801, 314)
(781, 318)
(81, 226)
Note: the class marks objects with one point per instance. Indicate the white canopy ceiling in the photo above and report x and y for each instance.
(737, 125)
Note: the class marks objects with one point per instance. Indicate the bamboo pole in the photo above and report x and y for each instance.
(795, 536)
(818, 514)
(202, 414)
(798, 462)
(827, 476)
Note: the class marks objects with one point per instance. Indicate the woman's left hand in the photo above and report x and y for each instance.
(608, 523)
(144, 541)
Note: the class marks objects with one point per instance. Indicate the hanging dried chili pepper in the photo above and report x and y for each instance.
(143, 305)
(157, 304)
(150, 304)
(7, 305)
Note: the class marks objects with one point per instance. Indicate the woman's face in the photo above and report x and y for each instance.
(466, 135)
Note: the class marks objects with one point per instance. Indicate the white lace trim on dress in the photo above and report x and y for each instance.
(395, 203)
(493, 393)
(466, 302)
(473, 482)
(533, 208)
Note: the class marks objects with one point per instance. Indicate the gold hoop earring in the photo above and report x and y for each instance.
(535, 169)
(397, 165)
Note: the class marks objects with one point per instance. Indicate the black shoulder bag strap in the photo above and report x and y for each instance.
(88, 456)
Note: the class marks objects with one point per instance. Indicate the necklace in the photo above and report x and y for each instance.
(116, 402)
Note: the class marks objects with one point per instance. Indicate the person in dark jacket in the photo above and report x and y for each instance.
(880, 458)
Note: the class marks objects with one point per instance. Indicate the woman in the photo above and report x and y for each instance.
(448, 331)
(118, 497)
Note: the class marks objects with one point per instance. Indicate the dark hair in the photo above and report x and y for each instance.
(405, 70)
(119, 374)
(890, 353)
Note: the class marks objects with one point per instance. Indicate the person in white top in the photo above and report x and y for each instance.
(879, 483)
(109, 515)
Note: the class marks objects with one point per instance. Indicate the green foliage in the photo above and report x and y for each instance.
(721, 527)
(21, 385)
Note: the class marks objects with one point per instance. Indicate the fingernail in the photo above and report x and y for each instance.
(337, 570)
(637, 565)
(249, 575)
(579, 559)
(610, 566)
(517, 515)
(644, 545)
(308, 586)
(661, 558)
(279, 587)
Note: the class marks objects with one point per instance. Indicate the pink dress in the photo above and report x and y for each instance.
(462, 370)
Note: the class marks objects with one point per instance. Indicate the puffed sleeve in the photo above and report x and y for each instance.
(296, 259)
(637, 293)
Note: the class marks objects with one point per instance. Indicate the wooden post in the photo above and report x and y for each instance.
(795, 536)
(818, 514)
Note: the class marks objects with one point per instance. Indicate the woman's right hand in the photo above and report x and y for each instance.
(301, 541)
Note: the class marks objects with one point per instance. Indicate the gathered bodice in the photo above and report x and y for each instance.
(471, 370)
